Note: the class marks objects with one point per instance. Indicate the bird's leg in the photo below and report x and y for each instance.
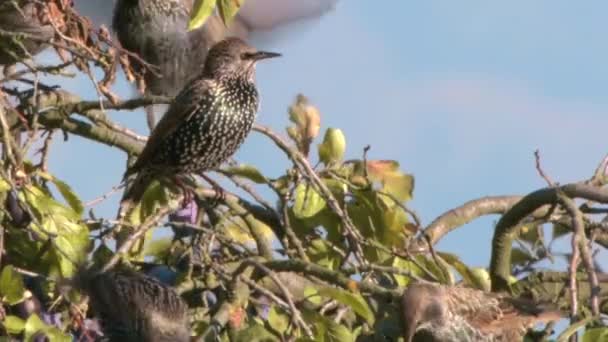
(186, 190)
(220, 195)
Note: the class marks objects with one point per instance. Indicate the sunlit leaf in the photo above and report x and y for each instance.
(333, 147)
(573, 328)
(69, 195)
(277, 320)
(249, 172)
(228, 9)
(4, 186)
(393, 181)
(13, 324)
(34, 325)
(595, 335)
(353, 300)
(157, 248)
(326, 330)
(11, 285)
(255, 333)
(460, 267)
(322, 254)
(201, 10)
(307, 201)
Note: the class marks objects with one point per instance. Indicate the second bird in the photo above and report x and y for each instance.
(206, 123)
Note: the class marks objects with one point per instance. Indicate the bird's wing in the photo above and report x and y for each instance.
(186, 103)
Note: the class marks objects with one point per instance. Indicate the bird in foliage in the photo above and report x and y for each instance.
(438, 313)
(157, 31)
(133, 307)
(206, 123)
(23, 19)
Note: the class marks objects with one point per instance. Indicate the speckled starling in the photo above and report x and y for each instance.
(22, 17)
(133, 307)
(156, 30)
(439, 313)
(207, 121)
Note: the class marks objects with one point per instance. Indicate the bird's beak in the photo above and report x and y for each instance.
(256, 56)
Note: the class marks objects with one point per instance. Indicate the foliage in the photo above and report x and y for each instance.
(324, 256)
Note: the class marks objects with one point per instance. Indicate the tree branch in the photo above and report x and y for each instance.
(500, 263)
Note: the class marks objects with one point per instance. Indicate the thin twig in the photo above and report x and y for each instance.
(540, 170)
(295, 313)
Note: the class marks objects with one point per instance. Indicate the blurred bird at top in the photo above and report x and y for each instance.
(22, 17)
(157, 31)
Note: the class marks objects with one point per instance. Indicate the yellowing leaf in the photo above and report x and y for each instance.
(307, 202)
(12, 289)
(247, 171)
(394, 181)
(4, 186)
(278, 320)
(201, 10)
(228, 9)
(13, 324)
(333, 147)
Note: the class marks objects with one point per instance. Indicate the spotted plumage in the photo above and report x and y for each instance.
(438, 313)
(133, 307)
(157, 31)
(207, 121)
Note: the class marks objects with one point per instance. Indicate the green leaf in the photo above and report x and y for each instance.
(228, 9)
(307, 202)
(70, 197)
(158, 248)
(326, 330)
(312, 295)
(278, 320)
(467, 273)
(34, 325)
(394, 181)
(4, 186)
(249, 172)
(56, 335)
(572, 329)
(333, 147)
(595, 335)
(201, 10)
(11, 286)
(255, 333)
(13, 324)
(520, 256)
(354, 300)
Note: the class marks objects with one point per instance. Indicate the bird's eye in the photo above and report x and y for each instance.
(246, 55)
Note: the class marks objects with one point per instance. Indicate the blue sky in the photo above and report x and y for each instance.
(460, 93)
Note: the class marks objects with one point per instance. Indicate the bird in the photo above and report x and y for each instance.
(205, 124)
(22, 17)
(132, 306)
(157, 31)
(439, 313)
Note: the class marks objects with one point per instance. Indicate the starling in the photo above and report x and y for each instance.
(438, 313)
(206, 123)
(134, 307)
(157, 31)
(22, 17)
